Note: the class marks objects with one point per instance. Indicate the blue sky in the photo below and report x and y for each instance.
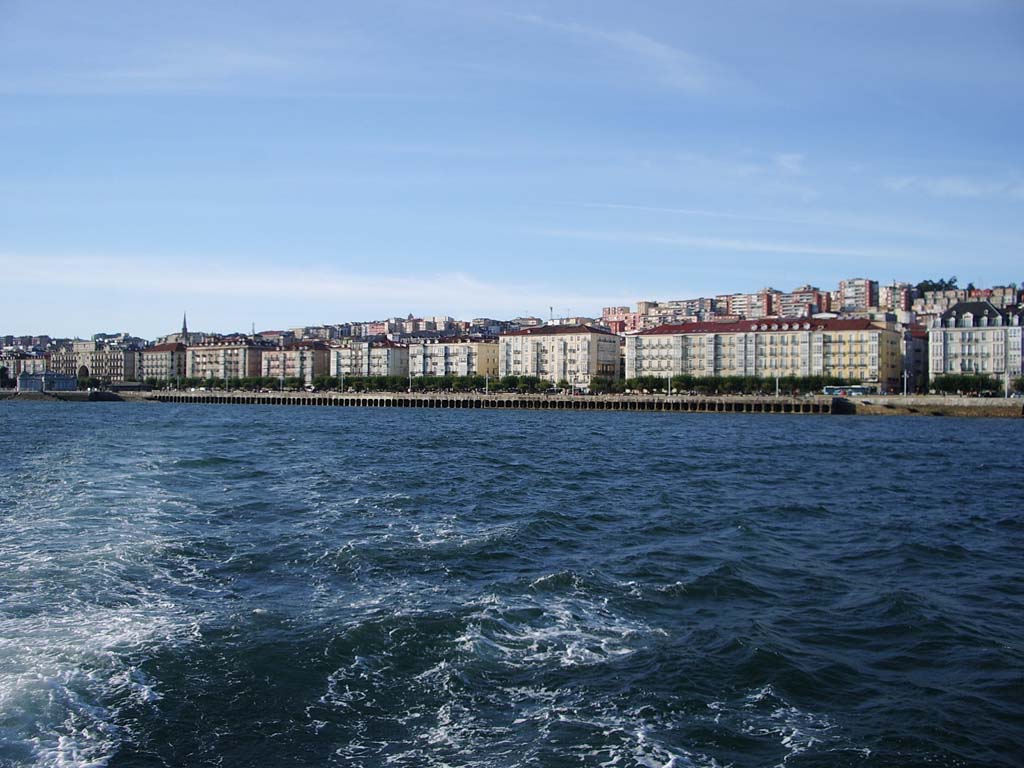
(298, 163)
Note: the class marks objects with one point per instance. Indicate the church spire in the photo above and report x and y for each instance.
(184, 325)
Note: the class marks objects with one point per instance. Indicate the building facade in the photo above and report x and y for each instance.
(855, 294)
(380, 357)
(88, 359)
(305, 360)
(976, 337)
(572, 353)
(854, 350)
(46, 382)
(453, 357)
(164, 362)
(224, 359)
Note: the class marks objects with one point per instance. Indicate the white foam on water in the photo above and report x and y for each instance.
(65, 680)
(765, 714)
(568, 630)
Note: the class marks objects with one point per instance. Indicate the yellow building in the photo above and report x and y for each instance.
(453, 357)
(854, 350)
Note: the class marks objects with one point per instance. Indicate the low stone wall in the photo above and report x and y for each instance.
(939, 405)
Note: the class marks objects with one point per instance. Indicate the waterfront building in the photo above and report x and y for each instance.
(915, 358)
(377, 357)
(46, 382)
(304, 360)
(976, 337)
(89, 359)
(573, 353)
(19, 362)
(164, 362)
(854, 350)
(227, 358)
(453, 357)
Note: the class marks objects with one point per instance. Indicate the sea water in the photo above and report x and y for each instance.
(258, 586)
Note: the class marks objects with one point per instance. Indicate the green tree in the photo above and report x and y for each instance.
(937, 285)
(967, 384)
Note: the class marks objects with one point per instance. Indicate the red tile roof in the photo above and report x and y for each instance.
(553, 330)
(765, 324)
(169, 347)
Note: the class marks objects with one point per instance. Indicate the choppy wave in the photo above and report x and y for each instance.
(254, 586)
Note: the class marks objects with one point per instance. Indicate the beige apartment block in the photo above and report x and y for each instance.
(977, 337)
(224, 359)
(453, 357)
(369, 358)
(854, 350)
(165, 362)
(574, 353)
(304, 360)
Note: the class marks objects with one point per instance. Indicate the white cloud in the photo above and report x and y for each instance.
(180, 67)
(958, 186)
(673, 66)
(728, 244)
(370, 295)
(791, 163)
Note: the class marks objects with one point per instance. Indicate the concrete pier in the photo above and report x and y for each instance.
(645, 403)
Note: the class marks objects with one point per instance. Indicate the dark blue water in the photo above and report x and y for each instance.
(247, 586)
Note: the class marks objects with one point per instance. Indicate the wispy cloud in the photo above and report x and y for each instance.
(817, 219)
(728, 244)
(188, 67)
(319, 286)
(958, 186)
(671, 65)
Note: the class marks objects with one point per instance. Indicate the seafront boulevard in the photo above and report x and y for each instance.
(913, 405)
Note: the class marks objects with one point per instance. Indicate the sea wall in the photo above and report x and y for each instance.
(653, 403)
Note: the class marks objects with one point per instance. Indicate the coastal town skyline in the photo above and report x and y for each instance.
(149, 326)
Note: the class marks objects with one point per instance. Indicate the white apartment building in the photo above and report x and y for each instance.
(369, 358)
(574, 353)
(976, 337)
(165, 362)
(453, 357)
